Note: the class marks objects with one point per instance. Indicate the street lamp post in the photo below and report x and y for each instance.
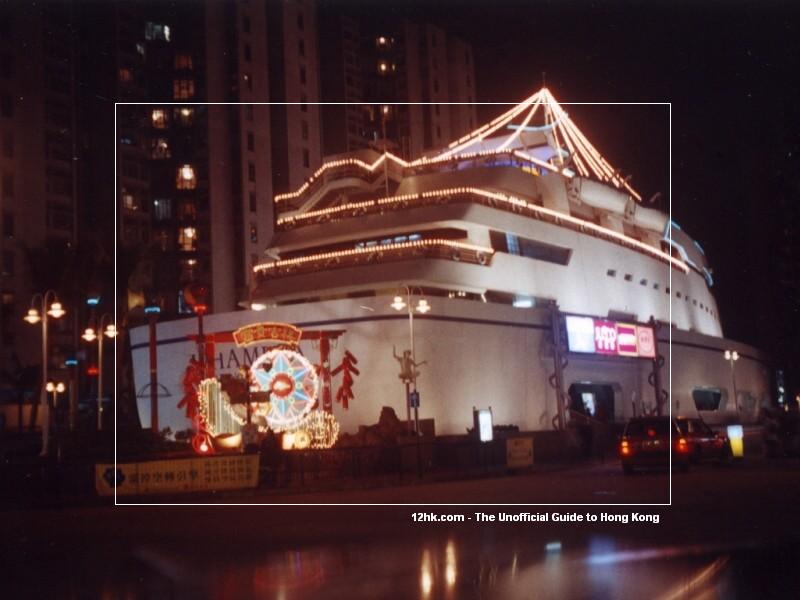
(56, 389)
(35, 316)
(732, 357)
(90, 335)
(422, 307)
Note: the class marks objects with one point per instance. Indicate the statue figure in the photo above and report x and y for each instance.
(408, 372)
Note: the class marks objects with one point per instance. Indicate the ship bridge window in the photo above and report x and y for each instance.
(520, 246)
(446, 234)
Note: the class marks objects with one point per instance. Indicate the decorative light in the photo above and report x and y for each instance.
(187, 172)
(733, 356)
(398, 303)
(287, 442)
(258, 306)
(33, 316)
(111, 331)
(292, 383)
(89, 335)
(539, 211)
(56, 310)
(323, 429)
(385, 247)
(423, 306)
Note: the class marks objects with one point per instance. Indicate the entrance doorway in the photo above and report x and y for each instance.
(595, 400)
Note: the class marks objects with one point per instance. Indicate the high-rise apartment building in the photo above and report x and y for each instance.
(193, 175)
(295, 88)
(38, 172)
(398, 82)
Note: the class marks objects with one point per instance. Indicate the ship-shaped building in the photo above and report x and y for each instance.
(517, 268)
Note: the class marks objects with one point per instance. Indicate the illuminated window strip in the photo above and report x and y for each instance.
(512, 200)
(384, 247)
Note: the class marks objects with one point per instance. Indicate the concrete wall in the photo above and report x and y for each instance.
(477, 355)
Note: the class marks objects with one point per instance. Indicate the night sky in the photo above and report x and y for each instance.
(730, 70)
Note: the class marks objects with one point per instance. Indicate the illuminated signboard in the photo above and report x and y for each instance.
(609, 338)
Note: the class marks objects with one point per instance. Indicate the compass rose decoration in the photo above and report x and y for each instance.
(292, 384)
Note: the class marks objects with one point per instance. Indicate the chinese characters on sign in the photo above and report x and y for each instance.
(273, 332)
(610, 338)
(179, 475)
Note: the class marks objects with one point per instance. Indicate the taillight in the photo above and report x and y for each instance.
(624, 448)
(683, 445)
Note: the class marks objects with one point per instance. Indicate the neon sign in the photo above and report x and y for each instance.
(609, 338)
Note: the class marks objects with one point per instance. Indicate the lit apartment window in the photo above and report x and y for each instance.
(125, 75)
(184, 116)
(183, 62)
(384, 67)
(156, 32)
(159, 118)
(383, 42)
(187, 239)
(160, 148)
(183, 89)
(186, 178)
(253, 233)
(129, 200)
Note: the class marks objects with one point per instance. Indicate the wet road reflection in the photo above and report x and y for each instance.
(600, 568)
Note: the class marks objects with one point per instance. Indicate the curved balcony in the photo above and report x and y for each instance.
(383, 253)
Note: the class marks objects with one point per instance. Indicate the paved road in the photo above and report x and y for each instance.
(728, 530)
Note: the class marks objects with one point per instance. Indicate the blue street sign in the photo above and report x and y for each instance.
(413, 399)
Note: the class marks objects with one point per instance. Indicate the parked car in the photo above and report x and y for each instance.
(704, 443)
(645, 444)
